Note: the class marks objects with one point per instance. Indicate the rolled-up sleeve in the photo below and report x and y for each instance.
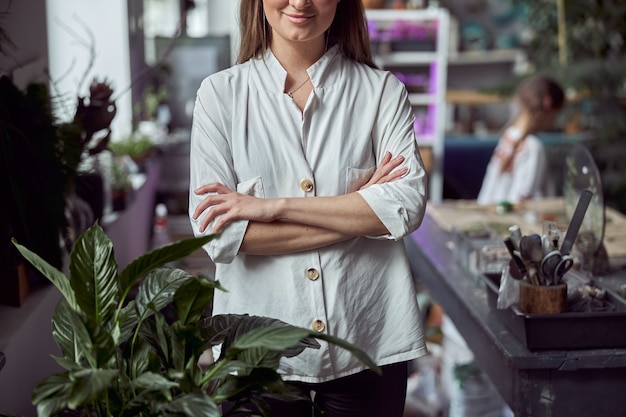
(400, 205)
(211, 161)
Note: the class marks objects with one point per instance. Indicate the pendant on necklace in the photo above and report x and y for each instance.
(290, 93)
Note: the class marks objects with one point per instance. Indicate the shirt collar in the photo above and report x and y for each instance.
(318, 72)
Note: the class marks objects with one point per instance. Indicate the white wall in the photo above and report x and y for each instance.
(25, 23)
(224, 19)
(69, 51)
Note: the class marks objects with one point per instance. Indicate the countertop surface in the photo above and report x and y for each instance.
(576, 383)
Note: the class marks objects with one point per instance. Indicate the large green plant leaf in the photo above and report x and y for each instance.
(159, 257)
(264, 346)
(102, 344)
(88, 384)
(79, 339)
(76, 332)
(193, 298)
(145, 393)
(157, 290)
(354, 350)
(56, 277)
(187, 348)
(52, 394)
(93, 275)
(157, 334)
(268, 347)
(226, 328)
(260, 384)
(71, 390)
(127, 321)
(151, 381)
(223, 368)
(277, 337)
(140, 361)
(255, 335)
(63, 331)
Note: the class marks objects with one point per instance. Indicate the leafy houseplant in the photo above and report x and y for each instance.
(121, 185)
(136, 146)
(39, 161)
(138, 355)
(33, 178)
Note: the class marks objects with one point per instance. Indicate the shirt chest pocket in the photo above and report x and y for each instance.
(252, 186)
(357, 177)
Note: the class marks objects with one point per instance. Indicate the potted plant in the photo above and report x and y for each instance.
(131, 340)
(137, 146)
(121, 185)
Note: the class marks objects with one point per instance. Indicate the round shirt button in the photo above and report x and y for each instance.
(312, 274)
(306, 185)
(318, 325)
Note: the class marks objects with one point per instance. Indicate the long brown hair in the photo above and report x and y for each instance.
(348, 31)
(536, 96)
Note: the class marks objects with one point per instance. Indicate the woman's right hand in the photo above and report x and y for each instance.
(385, 171)
(229, 205)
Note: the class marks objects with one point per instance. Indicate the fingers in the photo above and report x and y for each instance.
(395, 175)
(215, 187)
(222, 206)
(214, 201)
(387, 170)
(387, 165)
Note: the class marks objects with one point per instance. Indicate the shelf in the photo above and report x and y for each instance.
(494, 56)
(425, 139)
(419, 58)
(406, 59)
(428, 49)
(473, 97)
(417, 99)
(415, 15)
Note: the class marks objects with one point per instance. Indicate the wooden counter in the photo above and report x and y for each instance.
(577, 383)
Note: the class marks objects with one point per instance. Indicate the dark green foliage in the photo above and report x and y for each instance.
(124, 357)
(33, 178)
(596, 29)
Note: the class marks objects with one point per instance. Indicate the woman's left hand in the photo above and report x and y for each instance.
(385, 171)
(230, 206)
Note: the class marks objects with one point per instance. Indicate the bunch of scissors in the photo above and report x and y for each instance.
(538, 259)
(543, 260)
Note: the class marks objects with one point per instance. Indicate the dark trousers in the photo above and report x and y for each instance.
(365, 394)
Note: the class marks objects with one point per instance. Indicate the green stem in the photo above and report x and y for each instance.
(209, 375)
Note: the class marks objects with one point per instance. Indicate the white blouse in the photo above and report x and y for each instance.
(528, 177)
(249, 135)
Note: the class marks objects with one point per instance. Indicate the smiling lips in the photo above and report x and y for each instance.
(298, 19)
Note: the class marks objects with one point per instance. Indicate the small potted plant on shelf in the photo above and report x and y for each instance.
(121, 185)
(131, 339)
(137, 146)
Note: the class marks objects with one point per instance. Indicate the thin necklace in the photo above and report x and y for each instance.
(290, 93)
